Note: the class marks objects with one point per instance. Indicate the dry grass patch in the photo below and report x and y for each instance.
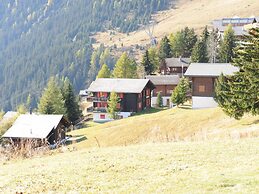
(169, 125)
(181, 167)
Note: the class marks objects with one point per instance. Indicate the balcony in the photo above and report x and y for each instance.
(99, 110)
(99, 99)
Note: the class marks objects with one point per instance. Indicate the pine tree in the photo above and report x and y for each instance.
(226, 52)
(73, 111)
(179, 95)
(148, 67)
(164, 49)
(238, 94)
(112, 105)
(104, 72)
(199, 52)
(183, 42)
(51, 101)
(159, 100)
(21, 109)
(125, 67)
(153, 57)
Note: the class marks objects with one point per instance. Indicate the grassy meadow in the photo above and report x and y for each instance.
(168, 151)
(176, 124)
(229, 166)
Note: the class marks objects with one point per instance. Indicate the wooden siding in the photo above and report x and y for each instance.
(203, 86)
(166, 90)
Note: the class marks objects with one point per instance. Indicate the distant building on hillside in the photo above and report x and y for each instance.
(165, 84)
(237, 25)
(46, 128)
(134, 96)
(175, 66)
(203, 77)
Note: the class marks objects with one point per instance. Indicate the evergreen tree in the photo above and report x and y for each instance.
(164, 49)
(159, 100)
(21, 109)
(179, 95)
(238, 94)
(199, 52)
(226, 51)
(51, 101)
(153, 57)
(148, 66)
(73, 111)
(125, 67)
(104, 72)
(112, 105)
(183, 42)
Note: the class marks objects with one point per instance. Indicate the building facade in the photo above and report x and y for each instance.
(175, 66)
(165, 85)
(134, 96)
(203, 77)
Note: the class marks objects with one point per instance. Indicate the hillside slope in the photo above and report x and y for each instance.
(169, 125)
(181, 167)
(191, 13)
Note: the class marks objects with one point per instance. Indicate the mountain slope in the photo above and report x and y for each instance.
(39, 39)
(191, 13)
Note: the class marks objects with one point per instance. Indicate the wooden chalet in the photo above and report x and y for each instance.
(203, 77)
(175, 66)
(134, 96)
(165, 84)
(42, 128)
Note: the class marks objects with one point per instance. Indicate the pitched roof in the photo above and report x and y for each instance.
(210, 69)
(33, 126)
(164, 79)
(178, 62)
(118, 85)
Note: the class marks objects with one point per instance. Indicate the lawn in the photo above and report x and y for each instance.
(175, 124)
(229, 166)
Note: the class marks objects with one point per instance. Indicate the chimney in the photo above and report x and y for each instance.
(30, 110)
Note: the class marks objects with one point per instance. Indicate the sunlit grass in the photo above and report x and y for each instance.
(175, 124)
(229, 166)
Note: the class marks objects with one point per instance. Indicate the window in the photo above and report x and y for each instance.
(102, 116)
(201, 88)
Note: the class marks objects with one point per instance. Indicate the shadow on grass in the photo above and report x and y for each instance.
(150, 111)
(75, 139)
(252, 123)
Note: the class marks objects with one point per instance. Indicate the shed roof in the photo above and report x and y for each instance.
(164, 79)
(33, 126)
(119, 85)
(210, 69)
(177, 62)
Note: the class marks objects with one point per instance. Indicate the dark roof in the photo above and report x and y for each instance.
(178, 62)
(34, 126)
(164, 79)
(210, 69)
(119, 85)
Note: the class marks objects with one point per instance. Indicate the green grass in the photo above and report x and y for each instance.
(169, 125)
(181, 167)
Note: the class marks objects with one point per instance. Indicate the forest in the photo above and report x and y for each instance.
(44, 38)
